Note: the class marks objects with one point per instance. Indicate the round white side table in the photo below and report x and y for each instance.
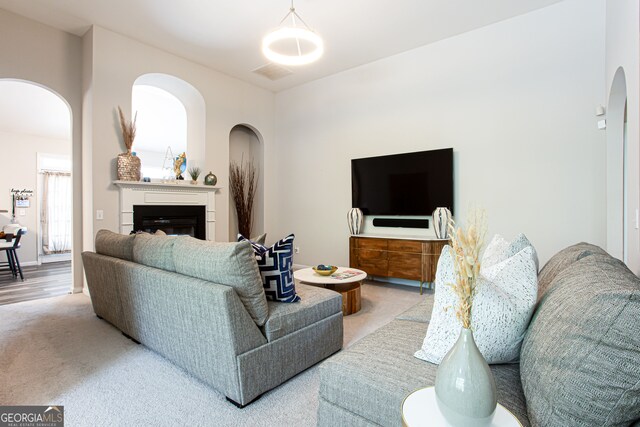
(420, 409)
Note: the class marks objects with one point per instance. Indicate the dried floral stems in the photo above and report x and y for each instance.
(128, 129)
(467, 245)
(243, 181)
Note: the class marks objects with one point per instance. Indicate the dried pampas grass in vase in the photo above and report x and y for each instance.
(467, 245)
(129, 165)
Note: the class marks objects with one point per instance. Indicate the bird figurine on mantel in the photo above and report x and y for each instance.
(180, 165)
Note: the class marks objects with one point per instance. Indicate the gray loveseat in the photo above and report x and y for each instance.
(202, 306)
(579, 365)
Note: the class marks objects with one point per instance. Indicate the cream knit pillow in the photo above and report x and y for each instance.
(500, 249)
(501, 310)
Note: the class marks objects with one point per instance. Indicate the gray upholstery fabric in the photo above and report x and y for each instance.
(372, 377)
(105, 296)
(420, 312)
(154, 250)
(330, 415)
(204, 327)
(580, 358)
(316, 304)
(155, 233)
(260, 239)
(231, 264)
(114, 244)
(198, 325)
(267, 366)
(562, 260)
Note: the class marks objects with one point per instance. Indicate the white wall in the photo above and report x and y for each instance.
(52, 58)
(516, 102)
(22, 173)
(623, 51)
(161, 122)
(194, 105)
(116, 63)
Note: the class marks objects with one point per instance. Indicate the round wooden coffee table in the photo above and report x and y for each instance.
(348, 287)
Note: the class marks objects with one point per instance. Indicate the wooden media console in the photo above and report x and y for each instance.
(403, 258)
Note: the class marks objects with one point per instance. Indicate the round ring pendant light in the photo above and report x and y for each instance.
(293, 33)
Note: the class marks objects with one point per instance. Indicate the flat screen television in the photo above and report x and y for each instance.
(403, 184)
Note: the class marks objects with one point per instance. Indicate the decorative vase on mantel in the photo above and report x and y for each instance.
(465, 388)
(128, 163)
(355, 218)
(128, 167)
(210, 179)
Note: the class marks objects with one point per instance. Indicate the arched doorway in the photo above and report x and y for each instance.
(617, 168)
(36, 123)
(246, 145)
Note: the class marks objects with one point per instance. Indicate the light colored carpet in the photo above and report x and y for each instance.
(56, 351)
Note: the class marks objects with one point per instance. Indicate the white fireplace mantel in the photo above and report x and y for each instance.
(159, 193)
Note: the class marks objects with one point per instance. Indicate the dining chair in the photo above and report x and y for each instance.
(10, 244)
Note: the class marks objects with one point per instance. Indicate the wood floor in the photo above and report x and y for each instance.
(44, 281)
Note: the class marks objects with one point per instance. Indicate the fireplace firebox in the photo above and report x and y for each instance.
(173, 220)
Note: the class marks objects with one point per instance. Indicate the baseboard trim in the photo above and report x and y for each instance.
(46, 259)
(28, 263)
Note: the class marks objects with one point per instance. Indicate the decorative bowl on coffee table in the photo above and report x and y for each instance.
(325, 272)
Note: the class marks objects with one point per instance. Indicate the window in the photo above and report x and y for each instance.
(56, 206)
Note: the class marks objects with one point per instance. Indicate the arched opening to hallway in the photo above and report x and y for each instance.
(36, 189)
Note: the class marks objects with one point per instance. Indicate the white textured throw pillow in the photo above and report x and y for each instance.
(501, 310)
(500, 249)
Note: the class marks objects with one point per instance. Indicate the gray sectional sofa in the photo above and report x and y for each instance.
(202, 306)
(579, 365)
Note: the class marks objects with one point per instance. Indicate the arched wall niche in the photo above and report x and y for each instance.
(40, 122)
(194, 107)
(246, 144)
(618, 216)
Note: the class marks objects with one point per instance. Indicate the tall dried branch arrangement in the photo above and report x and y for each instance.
(128, 129)
(467, 244)
(243, 180)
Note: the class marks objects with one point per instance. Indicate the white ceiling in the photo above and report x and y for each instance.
(225, 34)
(26, 108)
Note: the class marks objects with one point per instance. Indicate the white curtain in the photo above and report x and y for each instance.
(56, 212)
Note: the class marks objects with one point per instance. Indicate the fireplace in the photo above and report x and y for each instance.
(172, 219)
(175, 195)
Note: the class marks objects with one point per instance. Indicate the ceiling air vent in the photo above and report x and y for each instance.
(273, 71)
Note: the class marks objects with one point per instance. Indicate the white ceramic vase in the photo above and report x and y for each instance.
(355, 219)
(465, 388)
(441, 217)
